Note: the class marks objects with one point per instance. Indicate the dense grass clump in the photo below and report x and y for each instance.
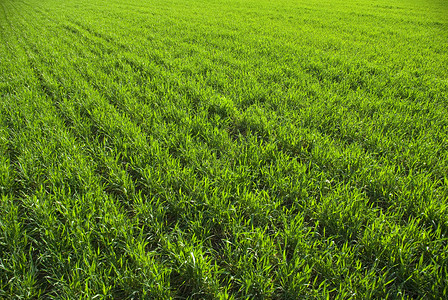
(211, 149)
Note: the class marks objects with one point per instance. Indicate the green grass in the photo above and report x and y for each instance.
(223, 149)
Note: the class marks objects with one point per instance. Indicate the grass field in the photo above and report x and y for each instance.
(223, 149)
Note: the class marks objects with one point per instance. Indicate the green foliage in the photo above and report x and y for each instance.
(233, 149)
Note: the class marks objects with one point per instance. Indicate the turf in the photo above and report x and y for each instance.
(223, 149)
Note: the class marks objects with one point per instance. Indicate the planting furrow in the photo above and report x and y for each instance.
(246, 149)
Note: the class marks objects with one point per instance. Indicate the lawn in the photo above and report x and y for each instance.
(223, 149)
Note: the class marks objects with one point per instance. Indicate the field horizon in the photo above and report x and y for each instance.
(223, 149)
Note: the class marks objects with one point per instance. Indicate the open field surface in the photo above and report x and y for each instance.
(218, 149)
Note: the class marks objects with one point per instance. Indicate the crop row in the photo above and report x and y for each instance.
(150, 151)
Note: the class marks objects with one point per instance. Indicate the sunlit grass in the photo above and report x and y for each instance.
(223, 149)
